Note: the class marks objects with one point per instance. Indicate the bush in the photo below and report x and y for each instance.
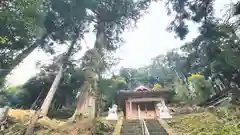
(200, 88)
(181, 92)
(196, 91)
(102, 127)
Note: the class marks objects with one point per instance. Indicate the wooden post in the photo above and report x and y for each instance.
(139, 112)
(130, 107)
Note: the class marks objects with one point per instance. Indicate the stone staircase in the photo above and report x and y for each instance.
(155, 128)
(131, 127)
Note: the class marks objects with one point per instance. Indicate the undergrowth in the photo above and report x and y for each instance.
(103, 127)
(18, 121)
(220, 121)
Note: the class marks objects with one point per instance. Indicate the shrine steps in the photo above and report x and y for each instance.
(155, 128)
(133, 127)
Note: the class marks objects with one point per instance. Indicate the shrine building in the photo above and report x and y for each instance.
(143, 102)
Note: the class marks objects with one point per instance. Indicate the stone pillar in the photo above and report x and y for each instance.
(130, 107)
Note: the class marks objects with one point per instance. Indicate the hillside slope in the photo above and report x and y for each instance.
(217, 122)
(18, 120)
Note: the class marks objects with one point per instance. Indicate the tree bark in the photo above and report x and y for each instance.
(100, 44)
(84, 89)
(98, 97)
(47, 101)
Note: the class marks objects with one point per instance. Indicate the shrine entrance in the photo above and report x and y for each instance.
(143, 103)
(146, 110)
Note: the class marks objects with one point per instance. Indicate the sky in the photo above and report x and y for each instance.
(148, 40)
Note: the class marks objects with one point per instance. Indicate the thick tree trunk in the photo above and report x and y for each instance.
(47, 101)
(91, 106)
(100, 104)
(84, 89)
(99, 44)
(97, 104)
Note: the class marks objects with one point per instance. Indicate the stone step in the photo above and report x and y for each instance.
(131, 130)
(124, 132)
(155, 128)
(131, 123)
(158, 133)
(131, 127)
(130, 134)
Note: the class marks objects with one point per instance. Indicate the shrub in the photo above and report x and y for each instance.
(200, 88)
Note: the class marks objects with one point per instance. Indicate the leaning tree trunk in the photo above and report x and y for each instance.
(47, 101)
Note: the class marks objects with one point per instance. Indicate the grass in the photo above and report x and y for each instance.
(221, 121)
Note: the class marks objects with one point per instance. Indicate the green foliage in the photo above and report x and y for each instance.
(32, 93)
(181, 92)
(200, 89)
(14, 96)
(102, 127)
(3, 99)
(148, 75)
(237, 8)
(3, 40)
(109, 89)
(113, 17)
(186, 10)
(223, 121)
(196, 91)
(214, 53)
(18, 27)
